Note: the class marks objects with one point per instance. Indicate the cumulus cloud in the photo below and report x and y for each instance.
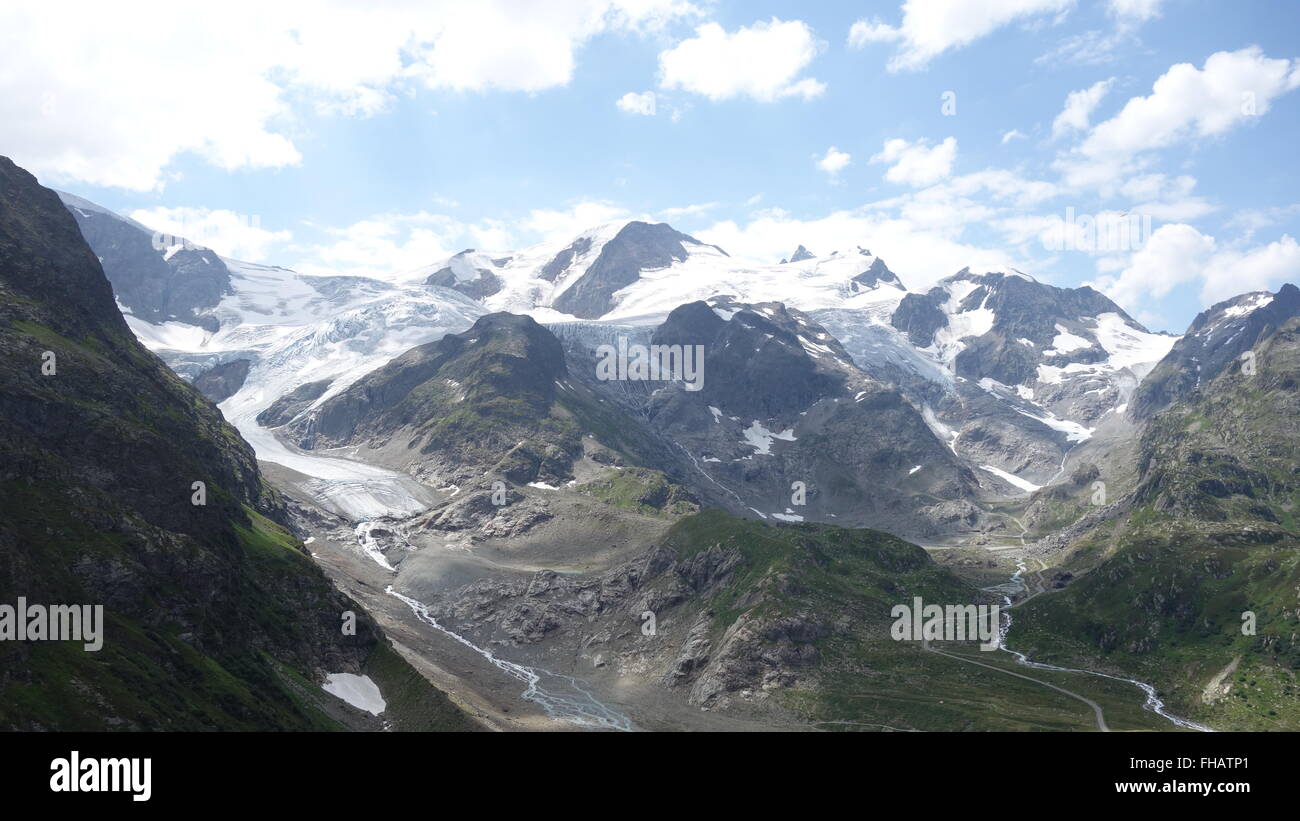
(553, 225)
(1264, 267)
(932, 27)
(1174, 255)
(763, 62)
(633, 103)
(1079, 106)
(1178, 254)
(1185, 103)
(917, 163)
(383, 244)
(863, 33)
(240, 236)
(834, 161)
(1138, 11)
(112, 99)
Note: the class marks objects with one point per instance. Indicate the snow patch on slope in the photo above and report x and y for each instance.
(1012, 479)
(359, 691)
(760, 438)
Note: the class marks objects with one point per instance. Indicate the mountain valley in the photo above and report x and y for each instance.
(539, 547)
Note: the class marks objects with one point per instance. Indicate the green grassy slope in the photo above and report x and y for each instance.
(819, 597)
(1214, 534)
(215, 616)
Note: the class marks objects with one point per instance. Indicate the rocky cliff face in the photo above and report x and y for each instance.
(474, 401)
(1166, 580)
(468, 273)
(1216, 341)
(220, 382)
(876, 274)
(800, 254)
(785, 427)
(177, 282)
(1016, 328)
(287, 408)
(637, 247)
(743, 614)
(212, 608)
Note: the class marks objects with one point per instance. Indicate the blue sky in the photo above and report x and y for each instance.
(327, 138)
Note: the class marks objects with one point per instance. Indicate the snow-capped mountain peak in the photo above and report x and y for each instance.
(1010, 372)
(1218, 338)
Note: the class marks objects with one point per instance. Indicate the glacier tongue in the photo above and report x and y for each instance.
(343, 486)
(298, 329)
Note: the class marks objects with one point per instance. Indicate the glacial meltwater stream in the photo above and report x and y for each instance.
(562, 697)
(1153, 702)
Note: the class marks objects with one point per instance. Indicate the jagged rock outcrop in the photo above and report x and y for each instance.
(121, 486)
(477, 401)
(158, 278)
(637, 247)
(1216, 340)
(466, 274)
(220, 382)
(285, 409)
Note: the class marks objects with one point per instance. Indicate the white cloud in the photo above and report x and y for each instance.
(1174, 255)
(383, 244)
(1178, 254)
(491, 235)
(692, 210)
(633, 103)
(1185, 103)
(108, 98)
(931, 27)
(1013, 134)
(1188, 102)
(1164, 198)
(519, 46)
(919, 254)
(240, 236)
(762, 61)
(554, 225)
(1250, 220)
(1079, 106)
(921, 234)
(1261, 268)
(917, 164)
(1097, 46)
(1138, 11)
(834, 161)
(863, 33)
